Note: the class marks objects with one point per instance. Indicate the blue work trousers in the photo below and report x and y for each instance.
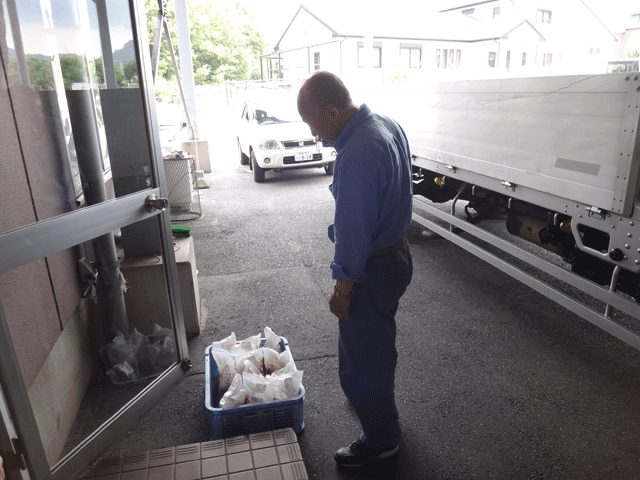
(367, 347)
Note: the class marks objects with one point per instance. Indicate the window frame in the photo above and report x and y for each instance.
(541, 17)
(492, 61)
(376, 46)
(316, 60)
(411, 48)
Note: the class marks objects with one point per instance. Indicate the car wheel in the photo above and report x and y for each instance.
(244, 160)
(258, 172)
(328, 168)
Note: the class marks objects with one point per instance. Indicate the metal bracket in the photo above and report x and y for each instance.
(186, 364)
(591, 211)
(451, 168)
(509, 185)
(14, 459)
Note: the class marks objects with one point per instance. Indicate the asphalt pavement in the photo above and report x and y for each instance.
(494, 381)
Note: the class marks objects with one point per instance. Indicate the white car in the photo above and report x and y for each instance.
(173, 127)
(274, 137)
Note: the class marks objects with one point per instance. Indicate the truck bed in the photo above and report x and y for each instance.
(574, 137)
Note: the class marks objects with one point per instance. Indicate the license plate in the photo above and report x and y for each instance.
(301, 157)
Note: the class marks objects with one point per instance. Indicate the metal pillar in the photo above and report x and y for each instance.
(186, 65)
(105, 42)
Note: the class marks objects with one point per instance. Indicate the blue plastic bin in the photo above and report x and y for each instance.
(248, 419)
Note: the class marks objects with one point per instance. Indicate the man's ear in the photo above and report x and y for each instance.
(332, 112)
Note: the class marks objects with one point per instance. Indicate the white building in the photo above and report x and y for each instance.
(389, 42)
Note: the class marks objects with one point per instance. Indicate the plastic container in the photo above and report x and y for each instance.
(248, 419)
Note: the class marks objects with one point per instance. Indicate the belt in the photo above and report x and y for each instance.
(389, 250)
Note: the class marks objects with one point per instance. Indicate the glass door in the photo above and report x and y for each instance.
(82, 201)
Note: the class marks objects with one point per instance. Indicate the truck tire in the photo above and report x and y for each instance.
(258, 172)
(244, 160)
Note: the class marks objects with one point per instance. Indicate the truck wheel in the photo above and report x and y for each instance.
(244, 160)
(328, 168)
(258, 172)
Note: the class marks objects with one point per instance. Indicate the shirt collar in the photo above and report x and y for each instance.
(363, 112)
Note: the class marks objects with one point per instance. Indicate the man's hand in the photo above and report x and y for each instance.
(1, 470)
(340, 299)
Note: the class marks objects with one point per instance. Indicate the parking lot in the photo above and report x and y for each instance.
(493, 380)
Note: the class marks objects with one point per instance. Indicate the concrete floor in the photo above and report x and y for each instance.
(493, 381)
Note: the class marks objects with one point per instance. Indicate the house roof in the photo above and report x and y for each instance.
(389, 20)
(392, 21)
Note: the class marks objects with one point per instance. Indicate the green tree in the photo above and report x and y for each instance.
(130, 70)
(73, 69)
(120, 77)
(165, 66)
(98, 70)
(40, 73)
(224, 41)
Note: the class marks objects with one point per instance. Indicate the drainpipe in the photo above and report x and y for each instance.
(86, 138)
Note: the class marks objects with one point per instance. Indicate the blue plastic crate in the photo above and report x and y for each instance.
(248, 419)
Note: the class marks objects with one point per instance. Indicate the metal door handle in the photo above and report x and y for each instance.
(154, 203)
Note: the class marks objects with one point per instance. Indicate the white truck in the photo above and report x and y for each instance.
(557, 159)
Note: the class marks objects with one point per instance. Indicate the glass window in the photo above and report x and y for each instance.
(60, 294)
(524, 58)
(437, 58)
(73, 90)
(316, 60)
(543, 16)
(492, 59)
(376, 56)
(469, 11)
(410, 57)
(496, 13)
(508, 61)
(546, 59)
(458, 54)
(451, 58)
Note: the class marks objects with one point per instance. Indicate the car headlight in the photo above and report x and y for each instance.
(268, 145)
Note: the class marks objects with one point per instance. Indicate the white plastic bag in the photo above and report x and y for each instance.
(250, 343)
(247, 365)
(271, 339)
(287, 385)
(226, 368)
(226, 343)
(258, 388)
(270, 361)
(236, 394)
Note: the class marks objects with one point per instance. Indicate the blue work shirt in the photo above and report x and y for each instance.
(373, 191)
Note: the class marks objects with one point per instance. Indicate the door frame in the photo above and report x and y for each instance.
(30, 243)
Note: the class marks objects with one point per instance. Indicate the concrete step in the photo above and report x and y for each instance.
(261, 456)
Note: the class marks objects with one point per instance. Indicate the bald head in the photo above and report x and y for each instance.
(324, 88)
(325, 104)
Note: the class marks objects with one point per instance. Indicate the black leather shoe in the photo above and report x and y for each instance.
(358, 454)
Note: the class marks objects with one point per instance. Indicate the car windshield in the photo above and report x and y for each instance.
(276, 113)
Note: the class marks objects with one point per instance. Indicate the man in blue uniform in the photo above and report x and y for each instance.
(372, 264)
